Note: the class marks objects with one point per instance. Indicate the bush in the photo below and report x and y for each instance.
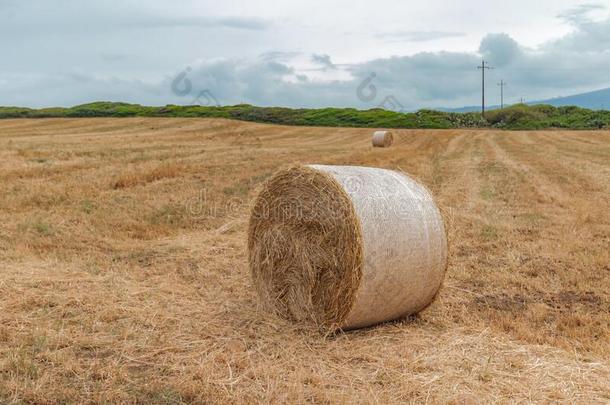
(519, 116)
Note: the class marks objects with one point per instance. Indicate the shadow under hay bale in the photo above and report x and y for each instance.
(345, 247)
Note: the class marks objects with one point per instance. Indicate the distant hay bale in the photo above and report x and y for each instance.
(382, 139)
(345, 247)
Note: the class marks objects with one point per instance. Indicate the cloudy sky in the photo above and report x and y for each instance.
(397, 54)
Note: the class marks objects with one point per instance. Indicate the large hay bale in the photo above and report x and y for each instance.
(344, 246)
(382, 139)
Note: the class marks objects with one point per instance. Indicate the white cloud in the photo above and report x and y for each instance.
(65, 52)
(418, 36)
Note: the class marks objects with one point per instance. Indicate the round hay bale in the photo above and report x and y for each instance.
(344, 246)
(382, 139)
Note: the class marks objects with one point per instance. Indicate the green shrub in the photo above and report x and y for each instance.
(519, 116)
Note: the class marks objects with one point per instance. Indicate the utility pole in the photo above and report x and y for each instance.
(502, 84)
(483, 67)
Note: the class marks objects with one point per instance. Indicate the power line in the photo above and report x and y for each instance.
(483, 67)
(502, 84)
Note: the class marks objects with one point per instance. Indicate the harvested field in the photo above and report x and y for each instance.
(124, 275)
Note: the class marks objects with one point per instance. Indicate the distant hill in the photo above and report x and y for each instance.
(593, 100)
(466, 109)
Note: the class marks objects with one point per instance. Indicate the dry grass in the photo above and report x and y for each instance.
(141, 293)
(140, 176)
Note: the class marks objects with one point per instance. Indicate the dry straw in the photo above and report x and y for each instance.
(345, 247)
(382, 139)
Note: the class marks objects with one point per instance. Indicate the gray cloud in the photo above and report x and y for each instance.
(428, 79)
(70, 16)
(277, 56)
(114, 57)
(67, 68)
(253, 24)
(587, 36)
(323, 60)
(580, 14)
(501, 49)
(418, 36)
(76, 88)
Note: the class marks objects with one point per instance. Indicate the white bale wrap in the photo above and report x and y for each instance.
(382, 139)
(391, 241)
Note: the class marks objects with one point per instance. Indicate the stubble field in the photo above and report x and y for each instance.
(124, 277)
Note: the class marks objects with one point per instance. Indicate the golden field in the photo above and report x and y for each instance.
(124, 276)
